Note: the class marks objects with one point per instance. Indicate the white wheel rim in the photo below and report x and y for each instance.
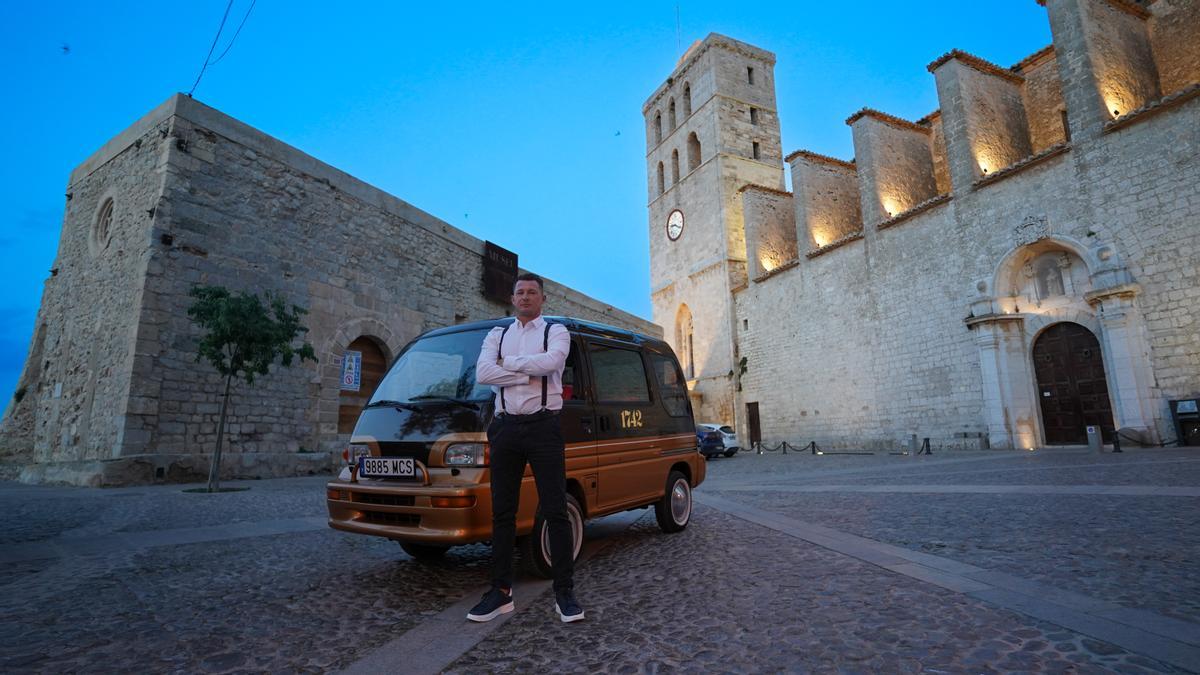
(576, 520)
(681, 501)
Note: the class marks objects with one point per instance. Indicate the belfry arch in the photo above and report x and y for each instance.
(1055, 298)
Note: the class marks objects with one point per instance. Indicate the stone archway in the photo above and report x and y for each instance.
(1046, 282)
(1071, 384)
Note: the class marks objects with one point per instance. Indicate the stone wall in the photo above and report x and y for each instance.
(826, 198)
(895, 167)
(200, 198)
(1042, 95)
(926, 324)
(1173, 39)
(770, 229)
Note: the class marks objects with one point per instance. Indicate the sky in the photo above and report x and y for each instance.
(519, 123)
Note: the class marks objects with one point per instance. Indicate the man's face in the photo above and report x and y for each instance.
(527, 299)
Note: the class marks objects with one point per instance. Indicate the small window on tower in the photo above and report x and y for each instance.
(757, 153)
(749, 75)
(754, 116)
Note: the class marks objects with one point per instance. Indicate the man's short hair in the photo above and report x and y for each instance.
(530, 276)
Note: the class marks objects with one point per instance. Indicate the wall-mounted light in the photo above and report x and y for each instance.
(1116, 113)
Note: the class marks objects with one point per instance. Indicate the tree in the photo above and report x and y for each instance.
(243, 337)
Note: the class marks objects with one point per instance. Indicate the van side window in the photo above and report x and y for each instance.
(670, 384)
(570, 382)
(619, 374)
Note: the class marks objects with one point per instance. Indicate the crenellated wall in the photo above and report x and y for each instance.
(983, 116)
(1174, 43)
(826, 199)
(895, 164)
(770, 230)
(1042, 96)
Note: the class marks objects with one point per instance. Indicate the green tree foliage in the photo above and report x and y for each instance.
(243, 336)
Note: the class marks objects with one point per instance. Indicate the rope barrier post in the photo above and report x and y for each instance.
(1117, 441)
(785, 447)
(813, 446)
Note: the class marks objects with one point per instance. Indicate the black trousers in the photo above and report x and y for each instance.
(540, 443)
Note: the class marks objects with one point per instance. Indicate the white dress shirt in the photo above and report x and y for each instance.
(523, 365)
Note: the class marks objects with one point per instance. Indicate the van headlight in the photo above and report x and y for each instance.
(466, 454)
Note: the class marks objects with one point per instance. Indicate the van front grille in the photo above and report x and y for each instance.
(403, 519)
(382, 500)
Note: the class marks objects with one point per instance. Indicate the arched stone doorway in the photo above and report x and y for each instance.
(683, 339)
(1071, 385)
(351, 398)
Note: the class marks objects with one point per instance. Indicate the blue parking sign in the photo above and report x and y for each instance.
(351, 371)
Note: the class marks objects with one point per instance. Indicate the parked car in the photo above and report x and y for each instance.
(418, 457)
(727, 435)
(711, 443)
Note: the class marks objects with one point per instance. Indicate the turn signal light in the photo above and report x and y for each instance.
(336, 494)
(452, 502)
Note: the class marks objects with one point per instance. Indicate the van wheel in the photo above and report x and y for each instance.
(674, 509)
(535, 547)
(424, 551)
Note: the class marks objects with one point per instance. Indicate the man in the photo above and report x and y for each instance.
(523, 361)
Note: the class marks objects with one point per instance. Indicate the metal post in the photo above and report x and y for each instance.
(1117, 440)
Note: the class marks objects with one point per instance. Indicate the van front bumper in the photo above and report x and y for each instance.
(406, 512)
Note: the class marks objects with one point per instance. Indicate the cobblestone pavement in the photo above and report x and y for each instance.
(724, 595)
(727, 596)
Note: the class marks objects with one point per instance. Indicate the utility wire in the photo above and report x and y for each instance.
(212, 48)
(235, 34)
(678, 30)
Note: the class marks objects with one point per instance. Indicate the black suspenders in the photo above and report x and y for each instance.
(545, 348)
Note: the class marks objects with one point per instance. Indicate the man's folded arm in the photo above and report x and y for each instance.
(548, 363)
(487, 371)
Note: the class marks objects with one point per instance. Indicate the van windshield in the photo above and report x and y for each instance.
(438, 367)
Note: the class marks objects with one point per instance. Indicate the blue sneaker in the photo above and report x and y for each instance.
(494, 603)
(567, 606)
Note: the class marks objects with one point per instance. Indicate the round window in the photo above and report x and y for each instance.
(102, 228)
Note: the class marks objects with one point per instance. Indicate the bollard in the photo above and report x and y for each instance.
(1095, 442)
(1117, 441)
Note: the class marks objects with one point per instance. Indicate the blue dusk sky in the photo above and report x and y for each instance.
(518, 122)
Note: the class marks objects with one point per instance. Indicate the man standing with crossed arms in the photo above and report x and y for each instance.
(523, 361)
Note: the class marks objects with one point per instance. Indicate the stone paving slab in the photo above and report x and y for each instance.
(443, 638)
(1135, 490)
(1032, 599)
(1141, 552)
(726, 595)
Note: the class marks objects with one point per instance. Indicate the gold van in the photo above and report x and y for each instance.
(417, 464)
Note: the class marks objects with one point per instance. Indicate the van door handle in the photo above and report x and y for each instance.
(586, 423)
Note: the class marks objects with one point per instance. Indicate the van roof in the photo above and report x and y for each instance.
(574, 325)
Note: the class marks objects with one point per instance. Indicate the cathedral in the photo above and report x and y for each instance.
(1011, 270)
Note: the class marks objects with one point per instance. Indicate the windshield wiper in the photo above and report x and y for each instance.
(394, 404)
(459, 401)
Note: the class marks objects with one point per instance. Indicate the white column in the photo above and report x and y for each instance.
(1126, 360)
(1008, 402)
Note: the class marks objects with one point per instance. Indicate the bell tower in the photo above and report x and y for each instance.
(711, 129)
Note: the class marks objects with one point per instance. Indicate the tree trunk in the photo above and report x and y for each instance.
(214, 471)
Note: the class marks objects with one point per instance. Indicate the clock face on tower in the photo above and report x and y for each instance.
(675, 224)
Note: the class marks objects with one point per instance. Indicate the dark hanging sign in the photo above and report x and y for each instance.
(499, 272)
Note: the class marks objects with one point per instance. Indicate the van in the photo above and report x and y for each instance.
(417, 463)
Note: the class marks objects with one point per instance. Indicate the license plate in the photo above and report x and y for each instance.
(386, 467)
